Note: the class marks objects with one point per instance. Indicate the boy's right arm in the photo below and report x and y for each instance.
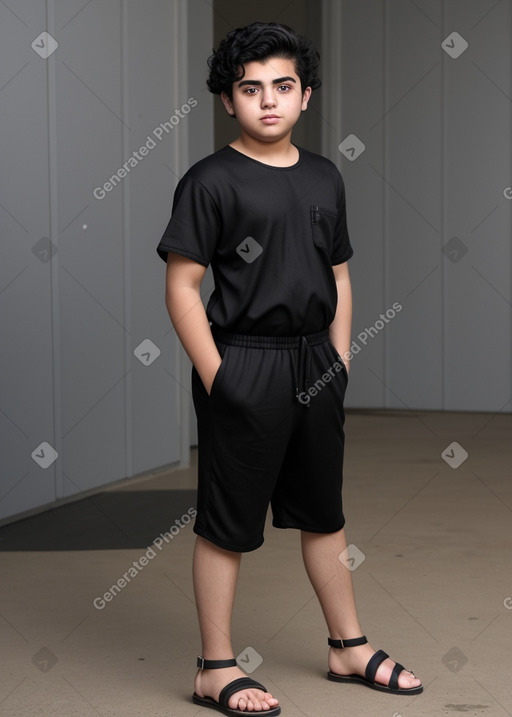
(188, 316)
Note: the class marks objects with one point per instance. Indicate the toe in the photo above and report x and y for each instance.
(252, 701)
(407, 679)
(239, 703)
(249, 702)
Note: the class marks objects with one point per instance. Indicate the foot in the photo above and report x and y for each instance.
(209, 683)
(353, 661)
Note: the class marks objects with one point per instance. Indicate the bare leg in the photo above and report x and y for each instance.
(332, 582)
(215, 572)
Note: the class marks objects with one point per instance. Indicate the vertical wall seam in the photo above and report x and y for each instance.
(442, 182)
(54, 262)
(125, 229)
(332, 70)
(182, 155)
(326, 48)
(385, 198)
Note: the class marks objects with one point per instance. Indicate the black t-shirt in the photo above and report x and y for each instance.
(271, 235)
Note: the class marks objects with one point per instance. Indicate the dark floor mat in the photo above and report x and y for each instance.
(105, 521)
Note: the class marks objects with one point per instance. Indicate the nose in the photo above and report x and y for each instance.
(268, 98)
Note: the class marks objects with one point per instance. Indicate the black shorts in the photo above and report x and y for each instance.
(271, 431)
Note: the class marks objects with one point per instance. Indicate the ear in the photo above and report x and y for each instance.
(228, 104)
(305, 98)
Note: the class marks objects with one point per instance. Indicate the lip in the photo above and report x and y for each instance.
(270, 119)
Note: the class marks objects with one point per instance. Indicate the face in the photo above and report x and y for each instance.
(268, 100)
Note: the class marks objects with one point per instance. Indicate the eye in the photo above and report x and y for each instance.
(251, 90)
(284, 88)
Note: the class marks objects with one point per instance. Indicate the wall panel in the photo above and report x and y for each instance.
(74, 311)
(427, 213)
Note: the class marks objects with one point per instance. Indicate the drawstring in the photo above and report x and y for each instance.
(300, 352)
(302, 373)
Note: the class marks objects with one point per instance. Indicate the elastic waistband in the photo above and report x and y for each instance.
(269, 342)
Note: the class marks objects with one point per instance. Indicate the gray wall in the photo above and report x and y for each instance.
(436, 165)
(429, 220)
(72, 318)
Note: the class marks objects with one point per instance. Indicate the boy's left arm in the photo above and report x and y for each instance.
(339, 330)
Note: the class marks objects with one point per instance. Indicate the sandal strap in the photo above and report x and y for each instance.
(355, 642)
(242, 683)
(374, 663)
(215, 664)
(393, 680)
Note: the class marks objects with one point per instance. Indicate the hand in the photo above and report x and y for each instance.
(210, 378)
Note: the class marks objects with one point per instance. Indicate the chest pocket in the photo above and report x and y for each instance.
(323, 225)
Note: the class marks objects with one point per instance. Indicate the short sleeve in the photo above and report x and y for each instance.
(194, 226)
(342, 249)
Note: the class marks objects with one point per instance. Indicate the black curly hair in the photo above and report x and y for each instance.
(260, 41)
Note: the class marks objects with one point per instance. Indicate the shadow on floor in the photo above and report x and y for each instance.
(111, 520)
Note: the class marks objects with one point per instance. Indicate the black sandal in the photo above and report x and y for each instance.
(371, 670)
(242, 683)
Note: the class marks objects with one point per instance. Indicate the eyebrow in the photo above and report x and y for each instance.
(259, 82)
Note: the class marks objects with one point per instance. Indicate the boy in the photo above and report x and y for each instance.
(268, 379)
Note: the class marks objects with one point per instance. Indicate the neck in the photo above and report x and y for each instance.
(280, 153)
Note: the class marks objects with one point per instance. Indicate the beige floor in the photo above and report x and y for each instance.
(432, 591)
